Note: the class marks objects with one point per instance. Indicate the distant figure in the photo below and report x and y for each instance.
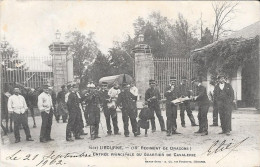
(17, 106)
(224, 95)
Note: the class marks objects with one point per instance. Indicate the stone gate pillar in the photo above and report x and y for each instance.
(62, 64)
(144, 68)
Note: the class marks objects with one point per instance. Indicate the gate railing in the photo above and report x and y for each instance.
(164, 68)
(28, 71)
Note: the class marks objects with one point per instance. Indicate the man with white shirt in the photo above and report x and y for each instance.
(46, 108)
(224, 95)
(17, 106)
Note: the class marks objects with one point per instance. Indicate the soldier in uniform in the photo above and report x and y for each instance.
(126, 102)
(74, 122)
(171, 93)
(152, 96)
(224, 95)
(110, 113)
(93, 102)
(184, 92)
(203, 104)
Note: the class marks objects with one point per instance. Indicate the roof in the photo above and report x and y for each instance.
(248, 32)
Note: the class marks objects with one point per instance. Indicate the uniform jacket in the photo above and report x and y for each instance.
(93, 101)
(171, 95)
(73, 103)
(202, 98)
(150, 92)
(183, 90)
(226, 95)
(126, 100)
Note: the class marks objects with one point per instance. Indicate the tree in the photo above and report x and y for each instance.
(223, 15)
(84, 51)
(206, 37)
(120, 62)
(100, 68)
(184, 41)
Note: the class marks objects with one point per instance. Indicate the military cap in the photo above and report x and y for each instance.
(151, 81)
(173, 78)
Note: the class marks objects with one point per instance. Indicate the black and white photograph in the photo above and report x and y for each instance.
(129, 83)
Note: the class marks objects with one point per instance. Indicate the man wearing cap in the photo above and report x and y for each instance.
(126, 102)
(62, 106)
(46, 108)
(74, 122)
(17, 106)
(93, 102)
(171, 93)
(184, 92)
(203, 104)
(224, 95)
(109, 112)
(152, 96)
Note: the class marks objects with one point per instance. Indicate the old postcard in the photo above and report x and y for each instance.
(130, 83)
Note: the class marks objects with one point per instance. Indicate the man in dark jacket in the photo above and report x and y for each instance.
(62, 106)
(74, 122)
(110, 113)
(171, 93)
(224, 95)
(152, 96)
(126, 102)
(93, 102)
(203, 104)
(184, 92)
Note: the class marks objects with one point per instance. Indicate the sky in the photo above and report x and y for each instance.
(30, 26)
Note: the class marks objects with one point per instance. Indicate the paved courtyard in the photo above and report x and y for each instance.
(155, 150)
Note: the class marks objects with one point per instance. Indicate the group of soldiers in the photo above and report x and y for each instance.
(84, 108)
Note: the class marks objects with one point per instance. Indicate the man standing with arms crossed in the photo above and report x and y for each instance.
(152, 96)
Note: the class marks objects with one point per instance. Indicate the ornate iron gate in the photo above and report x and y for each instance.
(164, 68)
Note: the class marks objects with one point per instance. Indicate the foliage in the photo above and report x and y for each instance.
(84, 50)
(226, 56)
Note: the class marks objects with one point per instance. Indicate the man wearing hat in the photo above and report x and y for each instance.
(183, 91)
(126, 102)
(224, 95)
(74, 123)
(110, 113)
(203, 104)
(62, 106)
(93, 102)
(171, 93)
(46, 108)
(152, 96)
